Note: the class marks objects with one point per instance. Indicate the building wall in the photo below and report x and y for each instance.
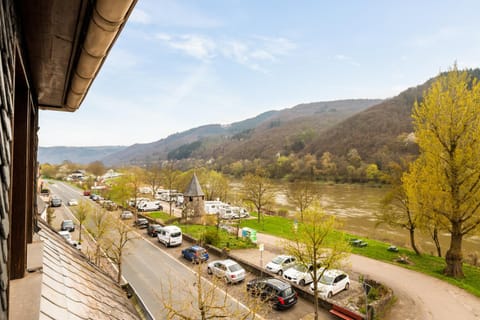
(18, 152)
(7, 49)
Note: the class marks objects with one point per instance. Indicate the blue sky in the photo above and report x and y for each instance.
(183, 64)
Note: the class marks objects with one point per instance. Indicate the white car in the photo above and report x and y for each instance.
(72, 202)
(280, 263)
(126, 215)
(332, 282)
(228, 269)
(301, 274)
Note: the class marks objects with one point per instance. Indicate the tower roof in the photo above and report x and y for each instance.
(194, 189)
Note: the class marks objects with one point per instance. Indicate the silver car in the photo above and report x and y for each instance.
(280, 263)
(228, 269)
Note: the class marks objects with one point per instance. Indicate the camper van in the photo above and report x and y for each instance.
(170, 236)
(213, 207)
(149, 206)
(226, 212)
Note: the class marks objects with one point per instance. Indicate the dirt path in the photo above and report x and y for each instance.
(419, 296)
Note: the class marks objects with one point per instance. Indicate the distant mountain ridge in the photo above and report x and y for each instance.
(264, 135)
(81, 155)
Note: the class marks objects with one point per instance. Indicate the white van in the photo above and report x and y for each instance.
(226, 212)
(149, 206)
(170, 236)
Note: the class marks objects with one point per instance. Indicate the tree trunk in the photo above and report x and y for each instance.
(454, 256)
(436, 240)
(119, 275)
(412, 241)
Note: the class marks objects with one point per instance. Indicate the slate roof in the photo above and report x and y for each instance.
(194, 189)
(73, 288)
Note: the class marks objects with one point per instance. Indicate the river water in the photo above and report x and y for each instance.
(355, 207)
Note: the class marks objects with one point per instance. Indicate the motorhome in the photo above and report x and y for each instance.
(166, 195)
(226, 212)
(170, 236)
(239, 212)
(213, 206)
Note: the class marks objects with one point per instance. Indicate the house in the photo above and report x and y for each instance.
(51, 52)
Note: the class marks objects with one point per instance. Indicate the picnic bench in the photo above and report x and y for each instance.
(344, 313)
(358, 243)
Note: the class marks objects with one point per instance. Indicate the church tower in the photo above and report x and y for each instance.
(194, 199)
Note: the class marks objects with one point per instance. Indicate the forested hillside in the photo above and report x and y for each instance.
(263, 136)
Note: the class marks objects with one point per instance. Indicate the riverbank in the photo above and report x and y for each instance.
(427, 264)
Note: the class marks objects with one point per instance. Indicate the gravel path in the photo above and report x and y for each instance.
(419, 296)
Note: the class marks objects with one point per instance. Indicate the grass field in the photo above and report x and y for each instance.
(428, 264)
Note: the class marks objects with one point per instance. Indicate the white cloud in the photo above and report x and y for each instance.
(251, 53)
(196, 46)
(140, 16)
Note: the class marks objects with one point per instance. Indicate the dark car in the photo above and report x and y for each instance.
(195, 254)
(153, 229)
(141, 223)
(280, 293)
(67, 225)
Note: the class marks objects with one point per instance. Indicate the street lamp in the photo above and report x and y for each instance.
(366, 289)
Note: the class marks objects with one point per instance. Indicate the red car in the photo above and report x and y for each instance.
(86, 192)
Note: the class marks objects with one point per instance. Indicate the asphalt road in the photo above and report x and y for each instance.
(162, 278)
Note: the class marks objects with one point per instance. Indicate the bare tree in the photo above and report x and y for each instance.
(98, 229)
(169, 176)
(209, 300)
(153, 177)
(396, 209)
(312, 245)
(82, 212)
(257, 191)
(115, 243)
(302, 194)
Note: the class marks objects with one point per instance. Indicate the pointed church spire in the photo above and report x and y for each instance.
(194, 189)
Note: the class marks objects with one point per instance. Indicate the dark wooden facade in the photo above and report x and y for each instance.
(51, 51)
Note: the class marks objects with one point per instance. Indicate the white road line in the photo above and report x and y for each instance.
(205, 279)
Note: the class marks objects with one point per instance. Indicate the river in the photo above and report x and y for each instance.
(355, 206)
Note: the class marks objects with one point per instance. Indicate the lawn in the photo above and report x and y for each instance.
(224, 240)
(159, 215)
(428, 264)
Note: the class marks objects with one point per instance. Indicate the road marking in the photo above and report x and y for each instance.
(223, 292)
(257, 316)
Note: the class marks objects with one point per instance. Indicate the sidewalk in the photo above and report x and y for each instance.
(419, 296)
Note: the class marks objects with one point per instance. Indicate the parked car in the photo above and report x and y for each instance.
(126, 215)
(86, 192)
(74, 243)
(152, 229)
(228, 269)
(280, 263)
(300, 273)
(170, 236)
(280, 293)
(66, 235)
(67, 225)
(195, 254)
(72, 202)
(332, 282)
(94, 197)
(56, 202)
(141, 223)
